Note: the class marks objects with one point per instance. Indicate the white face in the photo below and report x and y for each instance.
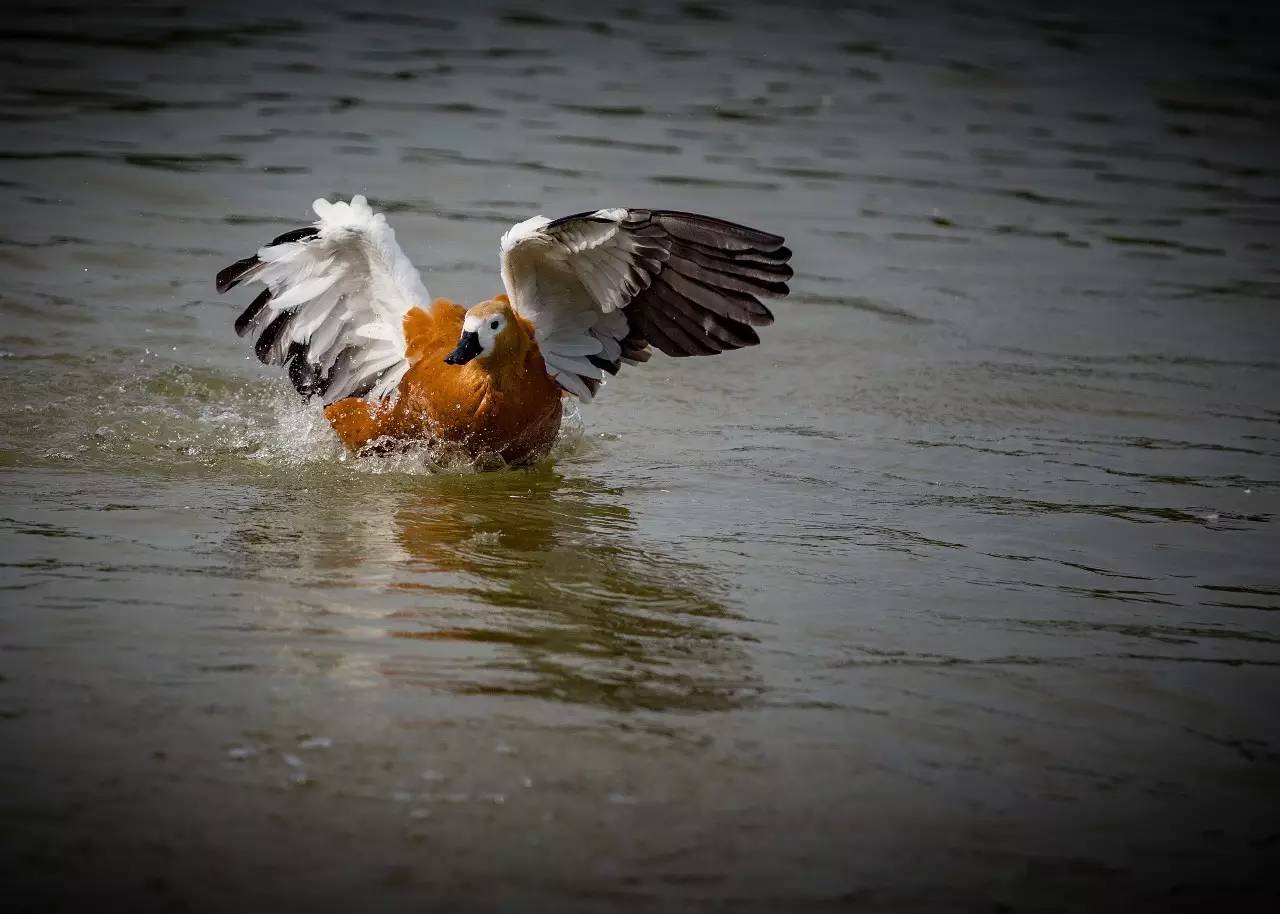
(486, 330)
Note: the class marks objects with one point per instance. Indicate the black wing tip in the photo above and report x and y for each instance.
(590, 214)
(682, 317)
(766, 242)
(229, 277)
(262, 348)
(304, 376)
(605, 364)
(306, 233)
(250, 313)
(635, 348)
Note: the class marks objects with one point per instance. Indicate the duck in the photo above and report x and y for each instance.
(346, 314)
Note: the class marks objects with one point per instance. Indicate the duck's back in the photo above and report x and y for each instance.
(511, 410)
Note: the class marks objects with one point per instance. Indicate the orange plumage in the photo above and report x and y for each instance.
(503, 404)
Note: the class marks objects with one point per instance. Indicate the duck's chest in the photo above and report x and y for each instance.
(516, 414)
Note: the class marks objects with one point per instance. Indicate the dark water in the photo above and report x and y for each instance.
(958, 593)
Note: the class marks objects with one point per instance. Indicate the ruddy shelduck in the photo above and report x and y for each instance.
(348, 315)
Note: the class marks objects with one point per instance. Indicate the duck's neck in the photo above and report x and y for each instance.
(507, 369)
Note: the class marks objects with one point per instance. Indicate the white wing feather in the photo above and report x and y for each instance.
(550, 280)
(337, 297)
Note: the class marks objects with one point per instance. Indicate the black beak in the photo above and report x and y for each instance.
(468, 348)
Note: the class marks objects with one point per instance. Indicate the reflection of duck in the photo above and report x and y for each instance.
(528, 584)
(348, 314)
(588, 614)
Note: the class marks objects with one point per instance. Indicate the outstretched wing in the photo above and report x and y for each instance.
(601, 287)
(334, 303)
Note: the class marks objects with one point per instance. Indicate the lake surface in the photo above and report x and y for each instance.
(959, 592)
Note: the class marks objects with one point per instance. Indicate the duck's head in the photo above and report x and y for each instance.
(490, 328)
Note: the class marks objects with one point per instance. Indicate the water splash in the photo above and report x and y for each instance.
(182, 418)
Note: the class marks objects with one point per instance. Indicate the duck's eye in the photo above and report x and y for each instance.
(493, 325)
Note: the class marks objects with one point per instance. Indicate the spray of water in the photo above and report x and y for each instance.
(183, 420)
